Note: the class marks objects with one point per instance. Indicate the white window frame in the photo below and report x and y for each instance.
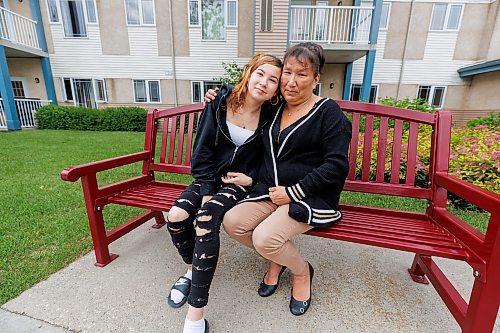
(148, 95)
(261, 17)
(376, 86)
(24, 83)
(104, 86)
(389, 7)
(431, 94)
(202, 89)
(447, 16)
(141, 17)
(58, 12)
(198, 13)
(225, 13)
(94, 87)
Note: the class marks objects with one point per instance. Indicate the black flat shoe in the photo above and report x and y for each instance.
(298, 308)
(266, 290)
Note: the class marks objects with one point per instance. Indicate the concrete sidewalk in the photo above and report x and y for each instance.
(356, 289)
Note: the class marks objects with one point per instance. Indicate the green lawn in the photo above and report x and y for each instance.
(43, 224)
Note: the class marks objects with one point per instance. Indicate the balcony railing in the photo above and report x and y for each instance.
(18, 29)
(26, 109)
(332, 24)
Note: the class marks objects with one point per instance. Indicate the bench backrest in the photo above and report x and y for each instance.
(383, 155)
(389, 156)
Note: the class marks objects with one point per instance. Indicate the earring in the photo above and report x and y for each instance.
(274, 100)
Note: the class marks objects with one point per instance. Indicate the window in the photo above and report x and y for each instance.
(84, 92)
(52, 9)
(147, 91)
(213, 16)
(384, 16)
(194, 12)
(18, 89)
(140, 12)
(266, 15)
(231, 13)
(446, 17)
(356, 93)
(199, 88)
(432, 94)
(75, 15)
(100, 90)
(317, 90)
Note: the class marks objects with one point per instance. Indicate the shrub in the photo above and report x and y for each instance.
(418, 104)
(132, 119)
(493, 120)
(232, 73)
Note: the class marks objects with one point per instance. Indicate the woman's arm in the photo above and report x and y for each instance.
(336, 136)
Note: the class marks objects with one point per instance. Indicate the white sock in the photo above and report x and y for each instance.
(197, 326)
(176, 295)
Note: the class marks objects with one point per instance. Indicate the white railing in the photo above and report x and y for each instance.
(330, 24)
(18, 29)
(26, 109)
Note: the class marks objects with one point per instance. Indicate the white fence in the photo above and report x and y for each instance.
(18, 29)
(330, 24)
(26, 109)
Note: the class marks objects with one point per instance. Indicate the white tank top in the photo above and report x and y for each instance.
(238, 134)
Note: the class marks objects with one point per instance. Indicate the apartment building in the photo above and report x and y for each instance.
(153, 53)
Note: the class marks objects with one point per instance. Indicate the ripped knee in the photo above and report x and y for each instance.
(177, 214)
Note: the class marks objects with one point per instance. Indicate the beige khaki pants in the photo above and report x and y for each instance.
(267, 228)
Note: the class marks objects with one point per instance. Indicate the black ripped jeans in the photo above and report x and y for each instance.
(197, 238)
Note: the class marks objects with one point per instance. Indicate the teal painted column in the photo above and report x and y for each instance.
(9, 105)
(370, 55)
(347, 81)
(44, 61)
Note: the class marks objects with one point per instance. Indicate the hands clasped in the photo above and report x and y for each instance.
(279, 196)
(237, 178)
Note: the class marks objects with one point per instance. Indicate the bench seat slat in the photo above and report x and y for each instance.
(390, 244)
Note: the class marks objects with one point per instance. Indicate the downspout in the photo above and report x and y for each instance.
(174, 76)
(403, 61)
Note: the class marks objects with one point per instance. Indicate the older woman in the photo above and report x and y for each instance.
(304, 168)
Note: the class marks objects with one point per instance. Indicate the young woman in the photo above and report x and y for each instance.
(304, 168)
(224, 166)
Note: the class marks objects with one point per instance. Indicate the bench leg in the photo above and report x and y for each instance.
(160, 220)
(483, 307)
(416, 272)
(99, 238)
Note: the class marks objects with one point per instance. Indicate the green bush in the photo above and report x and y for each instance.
(418, 104)
(130, 119)
(493, 120)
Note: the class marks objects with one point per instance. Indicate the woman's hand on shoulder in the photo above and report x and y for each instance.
(279, 196)
(210, 95)
(237, 178)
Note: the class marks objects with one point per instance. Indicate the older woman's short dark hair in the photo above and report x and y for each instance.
(307, 52)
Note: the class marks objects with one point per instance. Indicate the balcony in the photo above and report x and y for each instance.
(343, 31)
(18, 34)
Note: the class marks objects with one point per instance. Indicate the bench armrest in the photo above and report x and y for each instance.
(74, 173)
(480, 197)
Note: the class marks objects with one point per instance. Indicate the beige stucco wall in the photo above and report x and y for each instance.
(471, 30)
(184, 92)
(46, 27)
(245, 29)
(113, 27)
(162, 12)
(455, 97)
(493, 51)
(390, 90)
(332, 73)
(396, 33)
(22, 8)
(483, 92)
(180, 22)
(29, 69)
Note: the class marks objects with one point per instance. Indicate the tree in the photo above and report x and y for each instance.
(232, 73)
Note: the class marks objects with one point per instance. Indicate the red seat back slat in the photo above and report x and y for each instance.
(353, 152)
(412, 154)
(367, 149)
(382, 146)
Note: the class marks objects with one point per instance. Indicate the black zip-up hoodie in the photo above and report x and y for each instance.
(215, 153)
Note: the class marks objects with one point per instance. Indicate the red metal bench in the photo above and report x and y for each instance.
(437, 232)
